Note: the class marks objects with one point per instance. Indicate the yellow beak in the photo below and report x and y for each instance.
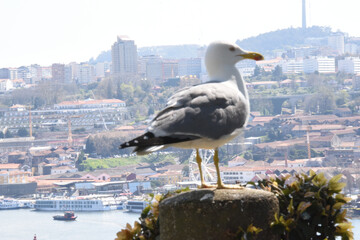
(252, 55)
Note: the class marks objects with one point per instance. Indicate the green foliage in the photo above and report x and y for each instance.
(92, 163)
(299, 152)
(79, 164)
(248, 234)
(342, 97)
(8, 134)
(277, 73)
(281, 39)
(79, 130)
(321, 102)
(248, 155)
(105, 145)
(357, 131)
(310, 207)
(185, 171)
(22, 132)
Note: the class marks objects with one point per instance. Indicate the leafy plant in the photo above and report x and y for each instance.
(248, 234)
(310, 207)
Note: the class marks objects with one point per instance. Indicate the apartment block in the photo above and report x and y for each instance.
(349, 65)
(293, 66)
(124, 56)
(319, 64)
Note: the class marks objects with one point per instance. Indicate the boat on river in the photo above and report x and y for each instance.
(136, 205)
(7, 204)
(68, 216)
(82, 204)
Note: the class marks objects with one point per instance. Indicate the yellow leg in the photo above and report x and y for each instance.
(220, 184)
(199, 160)
(216, 162)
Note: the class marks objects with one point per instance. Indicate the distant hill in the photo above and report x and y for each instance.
(266, 42)
(104, 56)
(282, 39)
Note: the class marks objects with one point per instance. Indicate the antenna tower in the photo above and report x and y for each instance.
(303, 14)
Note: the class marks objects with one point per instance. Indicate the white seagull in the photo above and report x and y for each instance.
(206, 115)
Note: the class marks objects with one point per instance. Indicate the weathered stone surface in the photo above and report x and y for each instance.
(217, 214)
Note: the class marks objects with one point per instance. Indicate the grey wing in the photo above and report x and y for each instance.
(208, 110)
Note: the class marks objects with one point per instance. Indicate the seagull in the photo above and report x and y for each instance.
(203, 116)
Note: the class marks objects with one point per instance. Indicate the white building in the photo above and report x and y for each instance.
(349, 65)
(101, 69)
(319, 64)
(6, 85)
(90, 103)
(124, 56)
(153, 68)
(46, 73)
(86, 73)
(337, 43)
(293, 66)
(35, 73)
(356, 82)
(62, 170)
(13, 73)
(240, 173)
(351, 48)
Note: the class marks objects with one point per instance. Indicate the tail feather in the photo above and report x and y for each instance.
(148, 143)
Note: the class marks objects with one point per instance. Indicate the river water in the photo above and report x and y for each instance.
(22, 224)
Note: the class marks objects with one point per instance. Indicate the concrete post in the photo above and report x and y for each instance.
(217, 214)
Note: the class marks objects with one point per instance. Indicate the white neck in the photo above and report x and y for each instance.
(230, 73)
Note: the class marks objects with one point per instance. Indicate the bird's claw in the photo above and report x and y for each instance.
(204, 185)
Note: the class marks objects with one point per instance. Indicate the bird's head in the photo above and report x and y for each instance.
(220, 54)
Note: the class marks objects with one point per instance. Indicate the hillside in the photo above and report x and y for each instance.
(279, 39)
(282, 39)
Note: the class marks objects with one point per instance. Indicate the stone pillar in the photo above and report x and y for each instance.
(217, 214)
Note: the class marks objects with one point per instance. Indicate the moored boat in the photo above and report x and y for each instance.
(76, 204)
(136, 205)
(68, 216)
(7, 204)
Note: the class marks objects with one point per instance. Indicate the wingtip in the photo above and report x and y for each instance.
(124, 145)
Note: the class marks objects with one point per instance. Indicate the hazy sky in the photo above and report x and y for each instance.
(61, 31)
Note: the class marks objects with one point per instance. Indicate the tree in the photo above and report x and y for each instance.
(185, 171)
(22, 132)
(151, 111)
(119, 94)
(109, 90)
(79, 162)
(357, 131)
(321, 102)
(248, 155)
(342, 98)
(8, 134)
(257, 71)
(277, 73)
(38, 102)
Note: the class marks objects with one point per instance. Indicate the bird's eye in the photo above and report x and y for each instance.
(232, 48)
